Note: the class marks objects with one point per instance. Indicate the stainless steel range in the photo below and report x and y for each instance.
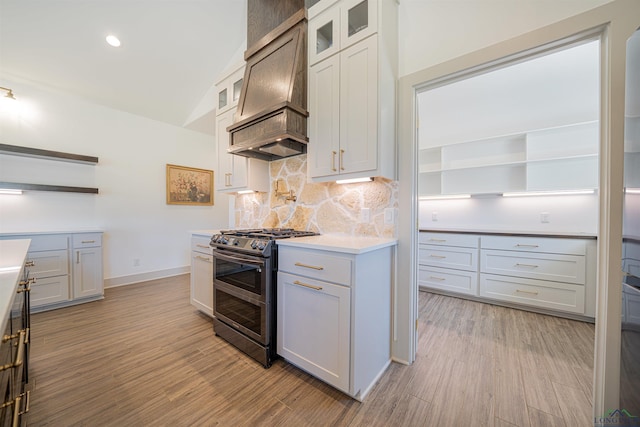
(245, 264)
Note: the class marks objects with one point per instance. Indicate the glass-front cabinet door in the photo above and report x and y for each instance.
(229, 90)
(324, 36)
(359, 20)
(340, 25)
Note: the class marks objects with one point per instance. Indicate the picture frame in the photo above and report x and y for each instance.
(189, 186)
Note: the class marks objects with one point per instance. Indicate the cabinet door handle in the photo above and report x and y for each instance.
(527, 292)
(521, 245)
(88, 241)
(438, 256)
(437, 278)
(333, 161)
(437, 240)
(299, 264)
(203, 258)
(527, 265)
(306, 285)
(20, 354)
(77, 257)
(341, 159)
(227, 180)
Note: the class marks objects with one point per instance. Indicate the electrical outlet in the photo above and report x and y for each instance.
(434, 216)
(544, 217)
(365, 215)
(388, 216)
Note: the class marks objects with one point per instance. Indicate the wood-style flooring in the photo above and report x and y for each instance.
(144, 356)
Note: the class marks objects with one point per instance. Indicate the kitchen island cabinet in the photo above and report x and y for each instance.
(201, 281)
(68, 267)
(334, 308)
(550, 274)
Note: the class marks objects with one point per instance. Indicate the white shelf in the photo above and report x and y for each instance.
(559, 158)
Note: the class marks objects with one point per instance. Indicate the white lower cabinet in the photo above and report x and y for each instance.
(554, 274)
(67, 268)
(202, 274)
(334, 315)
(321, 347)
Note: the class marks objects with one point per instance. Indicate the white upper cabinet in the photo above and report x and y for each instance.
(235, 173)
(352, 82)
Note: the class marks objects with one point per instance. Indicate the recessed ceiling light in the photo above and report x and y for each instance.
(113, 40)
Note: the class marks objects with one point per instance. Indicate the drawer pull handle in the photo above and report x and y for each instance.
(438, 256)
(527, 292)
(203, 258)
(437, 278)
(437, 240)
(20, 355)
(527, 265)
(30, 264)
(88, 241)
(299, 264)
(306, 285)
(521, 245)
(203, 246)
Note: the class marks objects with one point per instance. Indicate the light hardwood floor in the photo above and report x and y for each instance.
(145, 357)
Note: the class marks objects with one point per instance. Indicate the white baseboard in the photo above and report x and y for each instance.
(143, 277)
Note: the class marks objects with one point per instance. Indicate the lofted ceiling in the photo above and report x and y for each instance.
(172, 52)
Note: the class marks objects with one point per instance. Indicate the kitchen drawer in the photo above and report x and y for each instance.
(463, 282)
(87, 240)
(50, 290)
(448, 239)
(535, 244)
(448, 257)
(536, 293)
(555, 267)
(201, 244)
(46, 242)
(315, 264)
(49, 263)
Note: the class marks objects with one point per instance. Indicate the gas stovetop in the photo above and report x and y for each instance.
(257, 241)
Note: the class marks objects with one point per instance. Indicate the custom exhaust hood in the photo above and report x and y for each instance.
(271, 120)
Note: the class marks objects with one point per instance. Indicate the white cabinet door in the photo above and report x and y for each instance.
(314, 327)
(324, 117)
(359, 107)
(87, 272)
(202, 282)
(232, 170)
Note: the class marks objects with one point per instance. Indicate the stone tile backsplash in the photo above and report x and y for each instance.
(322, 207)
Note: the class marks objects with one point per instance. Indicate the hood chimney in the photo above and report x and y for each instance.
(271, 120)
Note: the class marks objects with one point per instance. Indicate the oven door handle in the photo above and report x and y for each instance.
(232, 258)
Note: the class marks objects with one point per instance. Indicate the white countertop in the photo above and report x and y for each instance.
(206, 233)
(31, 232)
(540, 233)
(340, 243)
(12, 256)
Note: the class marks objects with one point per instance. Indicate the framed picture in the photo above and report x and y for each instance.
(189, 186)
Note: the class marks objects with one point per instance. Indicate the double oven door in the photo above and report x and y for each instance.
(242, 293)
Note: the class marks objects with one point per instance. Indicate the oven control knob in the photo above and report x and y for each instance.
(223, 240)
(261, 245)
(254, 244)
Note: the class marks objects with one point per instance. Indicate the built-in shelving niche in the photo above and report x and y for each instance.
(560, 158)
(16, 150)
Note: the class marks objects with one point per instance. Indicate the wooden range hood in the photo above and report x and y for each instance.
(271, 120)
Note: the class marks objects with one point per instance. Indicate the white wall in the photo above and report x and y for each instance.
(131, 207)
(566, 214)
(434, 31)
